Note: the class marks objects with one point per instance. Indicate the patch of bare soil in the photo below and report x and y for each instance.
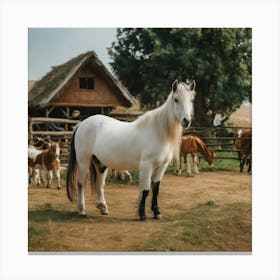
(55, 226)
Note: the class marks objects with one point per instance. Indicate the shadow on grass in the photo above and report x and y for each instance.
(44, 215)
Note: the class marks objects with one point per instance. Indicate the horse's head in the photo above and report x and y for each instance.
(183, 97)
(55, 149)
(210, 157)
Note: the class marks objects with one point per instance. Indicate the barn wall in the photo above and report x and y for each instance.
(101, 96)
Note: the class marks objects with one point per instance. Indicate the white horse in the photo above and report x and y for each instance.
(147, 144)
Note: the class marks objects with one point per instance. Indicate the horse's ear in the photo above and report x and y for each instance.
(192, 85)
(175, 85)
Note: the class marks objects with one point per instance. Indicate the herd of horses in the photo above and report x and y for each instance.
(100, 142)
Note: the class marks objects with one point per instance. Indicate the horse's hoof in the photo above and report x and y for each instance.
(178, 172)
(59, 187)
(104, 212)
(143, 218)
(83, 215)
(158, 217)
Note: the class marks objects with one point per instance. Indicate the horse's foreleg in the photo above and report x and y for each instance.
(196, 164)
(57, 173)
(30, 173)
(154, 206)
(249, 159)
(188, 165)
(129, 175)
(156, 178)
(242, 162)
(177, 165)
(49, 175)
(145, 184)
(37, 178)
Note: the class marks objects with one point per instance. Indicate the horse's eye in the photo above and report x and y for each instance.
(176, 100)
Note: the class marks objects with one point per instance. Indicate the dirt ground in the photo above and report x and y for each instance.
(184, 201)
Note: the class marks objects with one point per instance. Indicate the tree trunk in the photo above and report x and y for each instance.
(200, 110)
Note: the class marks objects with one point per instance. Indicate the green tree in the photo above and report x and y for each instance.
(148, 60)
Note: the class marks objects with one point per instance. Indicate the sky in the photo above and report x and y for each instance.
(49, 47)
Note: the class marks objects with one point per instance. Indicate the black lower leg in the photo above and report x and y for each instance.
(154, 200)
(242, 164)
(142, 205)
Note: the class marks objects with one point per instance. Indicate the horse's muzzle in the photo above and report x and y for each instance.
(185, 123)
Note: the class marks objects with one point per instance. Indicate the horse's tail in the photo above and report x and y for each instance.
(72, 169)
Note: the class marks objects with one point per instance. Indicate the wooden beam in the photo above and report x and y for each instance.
(53, 133)
(88, 105)
(53, 120)
(49, 110)
(65, 113)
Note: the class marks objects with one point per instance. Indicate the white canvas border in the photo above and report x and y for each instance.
(17, 16)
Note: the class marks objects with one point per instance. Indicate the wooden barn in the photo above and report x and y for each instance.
(81, 87)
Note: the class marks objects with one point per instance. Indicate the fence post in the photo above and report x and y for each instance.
(30, 138)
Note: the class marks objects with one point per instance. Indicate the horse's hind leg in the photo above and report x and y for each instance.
(82, 171)
(101, 174)
(99, 188)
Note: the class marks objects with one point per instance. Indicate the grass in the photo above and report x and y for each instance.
(208, 225)
(42, 226)
(222, 164)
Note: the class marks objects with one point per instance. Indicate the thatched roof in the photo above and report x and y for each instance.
(46, 89)
(31, 84)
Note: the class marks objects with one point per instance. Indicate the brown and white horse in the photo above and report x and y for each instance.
(46, 160)
(194, 145)
(34, 174)
(243, 143)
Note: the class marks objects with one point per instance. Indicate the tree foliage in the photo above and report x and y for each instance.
(148, 60)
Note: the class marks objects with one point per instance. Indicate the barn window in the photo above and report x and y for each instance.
(86, 83)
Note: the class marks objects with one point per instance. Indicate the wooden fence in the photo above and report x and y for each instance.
(220, 139)
(55, 129)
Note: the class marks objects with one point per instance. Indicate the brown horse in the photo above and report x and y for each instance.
(46, 160)
(243, 143)
(194, 145)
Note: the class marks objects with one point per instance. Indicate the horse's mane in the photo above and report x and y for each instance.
(202, 147)
(166, 126)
